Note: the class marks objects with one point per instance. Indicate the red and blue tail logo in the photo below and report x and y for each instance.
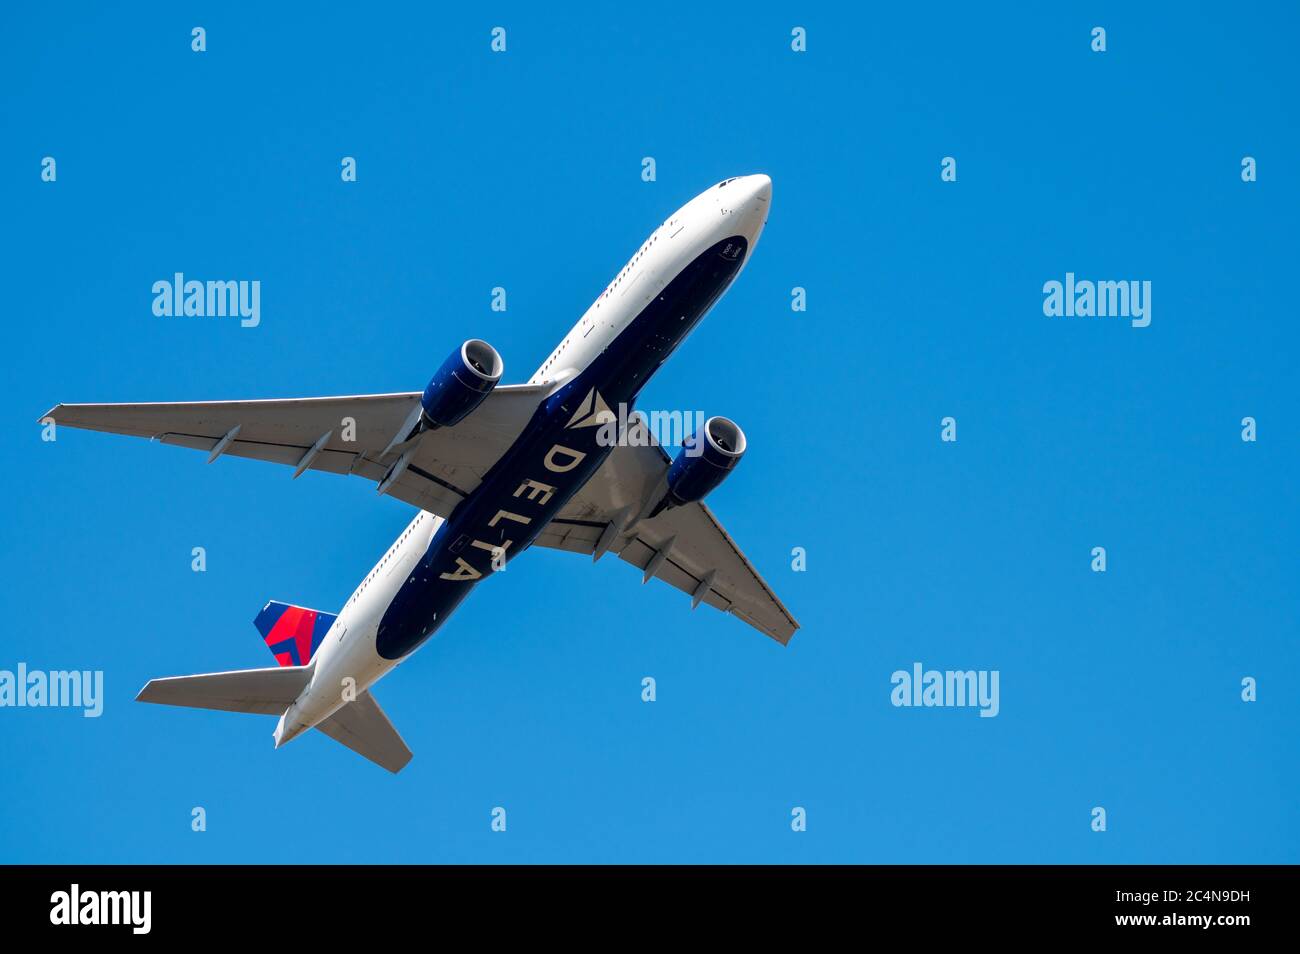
(293, 632)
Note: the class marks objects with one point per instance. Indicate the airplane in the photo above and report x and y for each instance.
(492, 469)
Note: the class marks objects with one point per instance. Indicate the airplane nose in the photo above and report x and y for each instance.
(754, 211)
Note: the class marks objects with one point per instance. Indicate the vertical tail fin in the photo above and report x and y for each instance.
(293, 632)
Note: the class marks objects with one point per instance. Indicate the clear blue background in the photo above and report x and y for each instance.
(1119, 690)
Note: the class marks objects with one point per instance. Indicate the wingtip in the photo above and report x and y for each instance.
(402, 765)
(52, 413)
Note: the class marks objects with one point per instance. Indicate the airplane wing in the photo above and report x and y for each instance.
(684, 546)
(311, 434)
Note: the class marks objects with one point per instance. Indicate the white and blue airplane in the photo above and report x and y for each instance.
(493, 470)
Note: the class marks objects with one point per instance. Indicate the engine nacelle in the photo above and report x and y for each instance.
(704, 461)
(467, 377)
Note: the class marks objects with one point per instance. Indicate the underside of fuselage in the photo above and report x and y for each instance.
(553, 458)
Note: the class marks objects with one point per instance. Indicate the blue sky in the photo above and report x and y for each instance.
(522, 169)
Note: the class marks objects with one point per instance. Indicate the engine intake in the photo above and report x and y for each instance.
(704, 461)
(462, 382)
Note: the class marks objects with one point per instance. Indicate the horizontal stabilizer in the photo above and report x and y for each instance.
(363, 727)
(262, 691)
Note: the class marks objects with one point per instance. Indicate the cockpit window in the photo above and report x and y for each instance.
(725, 181)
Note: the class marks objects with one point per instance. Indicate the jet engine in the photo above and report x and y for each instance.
(462, 382)
(703, 462)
